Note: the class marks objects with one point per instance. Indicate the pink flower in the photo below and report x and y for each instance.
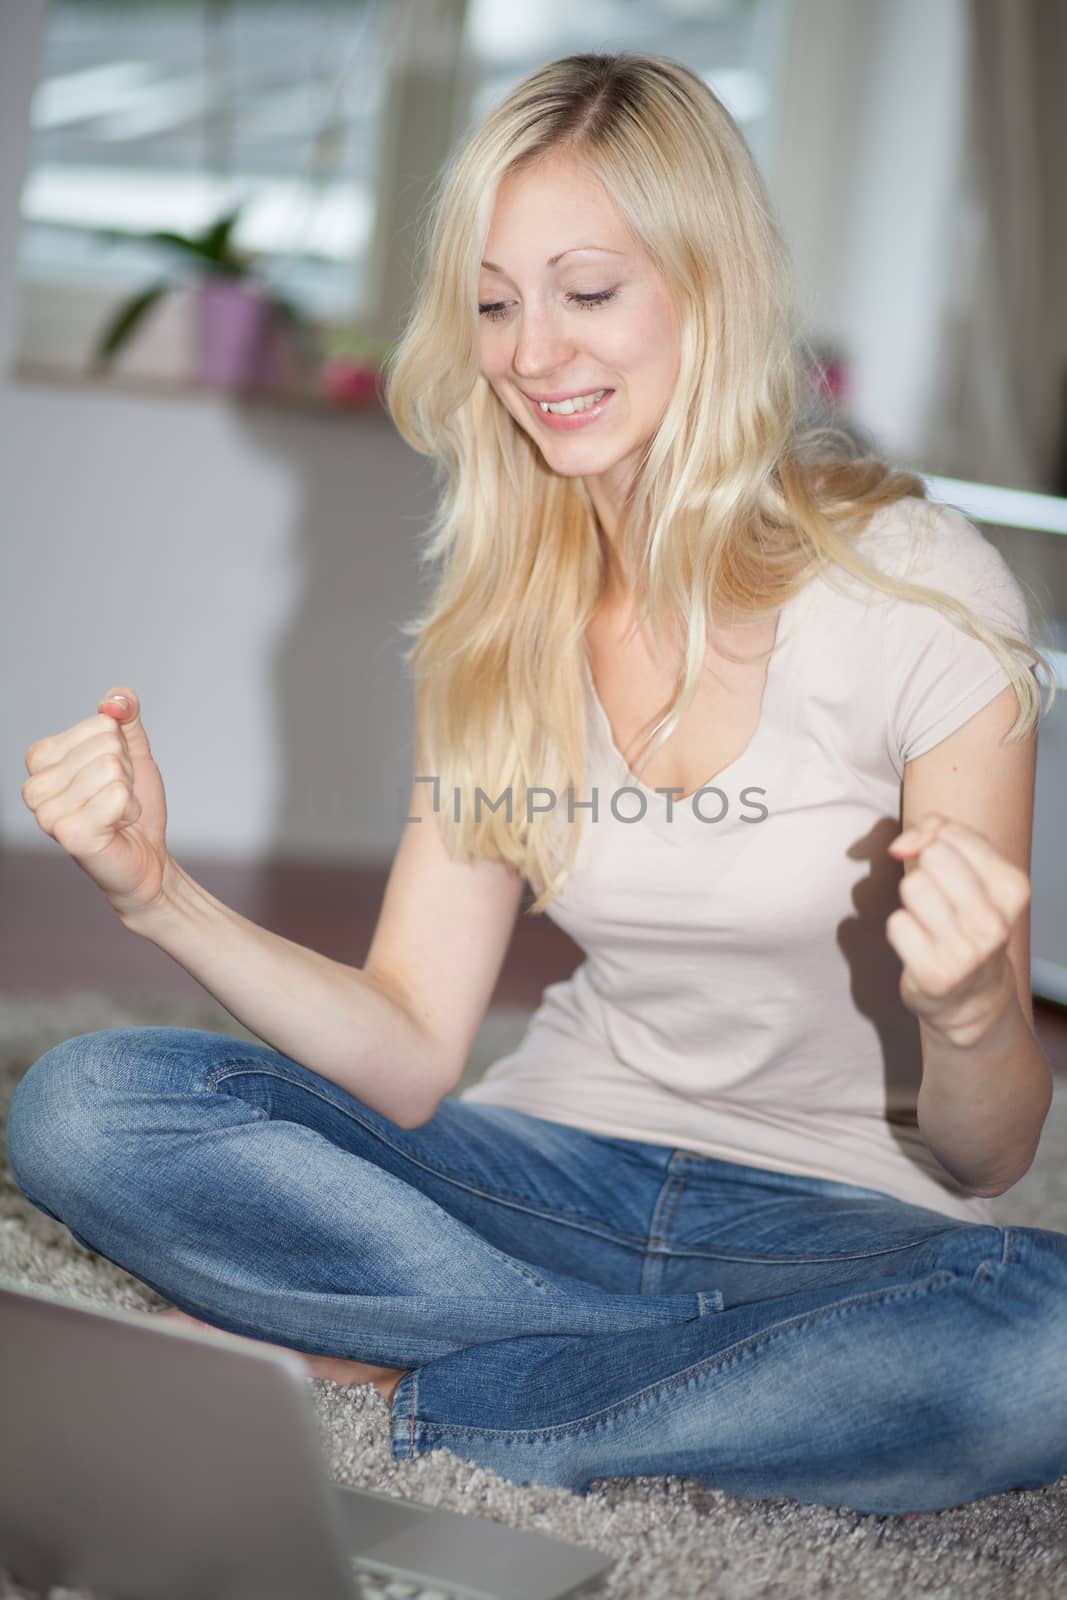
(349, 382)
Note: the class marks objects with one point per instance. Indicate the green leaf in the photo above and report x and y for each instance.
(217, 237)
(122, 324)
(203, 251)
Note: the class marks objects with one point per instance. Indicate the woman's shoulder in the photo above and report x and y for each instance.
(916, 535)
(936, 546)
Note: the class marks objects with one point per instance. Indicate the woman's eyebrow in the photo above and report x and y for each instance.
(491, 266)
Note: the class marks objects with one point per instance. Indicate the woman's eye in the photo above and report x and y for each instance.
(600, 299)
(496, 309)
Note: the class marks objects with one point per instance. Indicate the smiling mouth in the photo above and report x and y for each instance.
(574, 402)
(572, 415)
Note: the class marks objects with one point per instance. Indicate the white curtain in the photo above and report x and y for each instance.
(1001, 415)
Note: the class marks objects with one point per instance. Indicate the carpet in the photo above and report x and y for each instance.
(672, 1537)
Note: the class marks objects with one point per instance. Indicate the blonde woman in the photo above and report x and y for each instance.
(688, 669)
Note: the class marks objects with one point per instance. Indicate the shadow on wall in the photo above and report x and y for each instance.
(337, 686)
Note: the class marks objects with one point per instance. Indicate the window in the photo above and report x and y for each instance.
(733, 44)
(157, 115)
(163, 114)
(325, 118)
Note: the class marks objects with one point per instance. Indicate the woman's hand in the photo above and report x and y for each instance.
(962, 902)
(96, 790)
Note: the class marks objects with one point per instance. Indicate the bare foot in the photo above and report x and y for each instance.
(337, 1368)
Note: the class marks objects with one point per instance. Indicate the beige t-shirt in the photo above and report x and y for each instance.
(739, 997)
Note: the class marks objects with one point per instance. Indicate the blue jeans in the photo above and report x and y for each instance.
(570, 1306)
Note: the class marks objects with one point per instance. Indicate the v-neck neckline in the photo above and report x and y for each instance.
(762, 759)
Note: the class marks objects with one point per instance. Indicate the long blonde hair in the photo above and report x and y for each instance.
(736, 504)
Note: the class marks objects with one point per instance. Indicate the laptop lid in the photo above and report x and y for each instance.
(153, 1462)
(134, 1453)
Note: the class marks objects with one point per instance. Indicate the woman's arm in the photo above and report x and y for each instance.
(395, 1032)
(964, 938)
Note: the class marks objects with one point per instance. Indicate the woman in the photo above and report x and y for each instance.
(725, 1212)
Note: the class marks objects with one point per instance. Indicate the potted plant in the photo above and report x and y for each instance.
(242, 325)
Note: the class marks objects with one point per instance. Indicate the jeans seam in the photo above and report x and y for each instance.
(591, 1225)
(682, 1252)
(522, 1268)
(676, 1188)
(708, 1364)
(657, 1242)
(568, 1219)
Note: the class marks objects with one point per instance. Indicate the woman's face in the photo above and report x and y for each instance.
(560, 319)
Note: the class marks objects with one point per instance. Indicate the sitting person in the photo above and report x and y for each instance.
(688, 670)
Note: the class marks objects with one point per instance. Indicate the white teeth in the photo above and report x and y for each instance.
(565, 408)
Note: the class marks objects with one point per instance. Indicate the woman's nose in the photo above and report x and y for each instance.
(540, 346)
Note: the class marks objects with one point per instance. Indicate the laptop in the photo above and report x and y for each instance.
(148, 1461)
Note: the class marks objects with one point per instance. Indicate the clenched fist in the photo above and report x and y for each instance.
(96, 791)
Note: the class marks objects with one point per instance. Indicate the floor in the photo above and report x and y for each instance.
(57, 932)
(58, 935)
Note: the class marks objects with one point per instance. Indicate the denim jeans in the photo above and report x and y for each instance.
(568, 1306)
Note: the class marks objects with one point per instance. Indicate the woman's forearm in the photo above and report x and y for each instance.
(982, 1105)
(335, 1019)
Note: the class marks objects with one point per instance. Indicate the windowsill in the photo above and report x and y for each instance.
(60, 323)
(299, 395)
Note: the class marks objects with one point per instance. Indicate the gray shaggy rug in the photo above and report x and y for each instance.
(672, 1537)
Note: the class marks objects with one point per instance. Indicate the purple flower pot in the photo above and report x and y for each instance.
(239, 335)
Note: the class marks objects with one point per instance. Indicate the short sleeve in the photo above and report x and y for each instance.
(937, 676)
